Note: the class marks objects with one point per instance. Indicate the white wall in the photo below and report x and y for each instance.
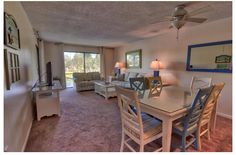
(173, 55)
(54, 52)
(18, 114)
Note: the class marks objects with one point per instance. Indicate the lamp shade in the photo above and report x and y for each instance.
(118, 65)
(155, 65)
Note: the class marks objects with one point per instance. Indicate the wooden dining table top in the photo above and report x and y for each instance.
(170, 100)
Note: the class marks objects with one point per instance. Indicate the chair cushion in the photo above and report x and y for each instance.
(179, 125)
(151, 127)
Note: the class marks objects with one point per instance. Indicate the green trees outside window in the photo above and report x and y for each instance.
(82, 62)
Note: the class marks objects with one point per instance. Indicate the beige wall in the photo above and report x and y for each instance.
(17, 101)
(54, 52)
(173, 54)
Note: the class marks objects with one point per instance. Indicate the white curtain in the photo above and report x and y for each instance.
(102, 63)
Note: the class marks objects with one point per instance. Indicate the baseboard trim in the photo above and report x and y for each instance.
(224, 115)
(27, 137)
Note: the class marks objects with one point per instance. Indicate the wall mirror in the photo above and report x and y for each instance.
(210, 57)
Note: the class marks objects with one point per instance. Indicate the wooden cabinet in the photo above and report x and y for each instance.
(47, 100)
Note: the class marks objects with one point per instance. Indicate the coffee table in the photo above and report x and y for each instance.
(105, 89)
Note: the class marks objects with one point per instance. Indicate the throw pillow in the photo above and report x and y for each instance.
(121, 77)
(126, 76)
(132, 75)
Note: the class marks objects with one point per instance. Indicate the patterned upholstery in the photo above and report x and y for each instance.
(85, 81)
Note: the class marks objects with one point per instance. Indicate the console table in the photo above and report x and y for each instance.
(47, 99)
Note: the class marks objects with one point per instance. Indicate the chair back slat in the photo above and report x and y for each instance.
(131, 121)
(200, 82)
(155, 84)
(195, 110)
(211, 101)
(138, 84)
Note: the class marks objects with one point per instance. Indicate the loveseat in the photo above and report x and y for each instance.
(123, 79)
(85, 81)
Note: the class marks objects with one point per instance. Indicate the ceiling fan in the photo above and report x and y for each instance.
(180, 16)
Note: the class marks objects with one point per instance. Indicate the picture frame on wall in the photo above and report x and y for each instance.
(11, 32)
(133, 59)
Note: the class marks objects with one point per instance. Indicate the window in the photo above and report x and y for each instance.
(92, 62)
(82, 62)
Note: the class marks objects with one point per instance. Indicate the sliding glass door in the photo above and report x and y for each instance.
(92, 62)
(81, 62)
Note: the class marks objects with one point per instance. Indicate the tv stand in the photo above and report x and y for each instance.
(47, 99)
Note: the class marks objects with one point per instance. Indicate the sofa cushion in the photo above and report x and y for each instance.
(132, 75)
(121, 83)
(86, 83)
(89, 76)
(126, 76)
(120, 77)
(96, 76)
(79, 76)
(142, 75)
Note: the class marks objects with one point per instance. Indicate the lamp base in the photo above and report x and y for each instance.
(117, 71)
(155, 73)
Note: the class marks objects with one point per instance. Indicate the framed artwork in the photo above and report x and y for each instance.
(133, 59)
(11, 67)
(11, 32)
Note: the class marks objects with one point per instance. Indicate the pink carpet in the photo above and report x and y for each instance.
(89, 123)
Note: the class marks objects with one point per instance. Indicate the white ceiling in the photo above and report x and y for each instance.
(110, 23)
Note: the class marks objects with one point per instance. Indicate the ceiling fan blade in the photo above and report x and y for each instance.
(167, 18)
(201, 10)
(196, 20)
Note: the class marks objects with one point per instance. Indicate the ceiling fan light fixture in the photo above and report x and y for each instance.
(177, 23)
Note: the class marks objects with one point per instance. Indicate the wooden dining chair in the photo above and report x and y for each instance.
(206, 115)
(138, 85)
(200, 82)
(134, 126)
(187, 126)
(155, 84)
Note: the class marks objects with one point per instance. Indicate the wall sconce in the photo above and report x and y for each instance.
(155, 65)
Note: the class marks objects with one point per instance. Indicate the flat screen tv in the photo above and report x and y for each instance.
(49, 73)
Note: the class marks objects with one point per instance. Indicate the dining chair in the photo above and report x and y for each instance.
(138, 84)
(187, 126)
(200, 82)
(134, 126)
(206, 115)
(155, 84)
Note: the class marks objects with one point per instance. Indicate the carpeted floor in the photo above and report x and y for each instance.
(89, 123)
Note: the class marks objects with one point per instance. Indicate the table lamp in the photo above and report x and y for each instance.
(155, 65)
(117, 68)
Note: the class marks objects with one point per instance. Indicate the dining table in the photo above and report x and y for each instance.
(171, 104)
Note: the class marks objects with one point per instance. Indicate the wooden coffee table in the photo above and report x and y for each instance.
(105, 89)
